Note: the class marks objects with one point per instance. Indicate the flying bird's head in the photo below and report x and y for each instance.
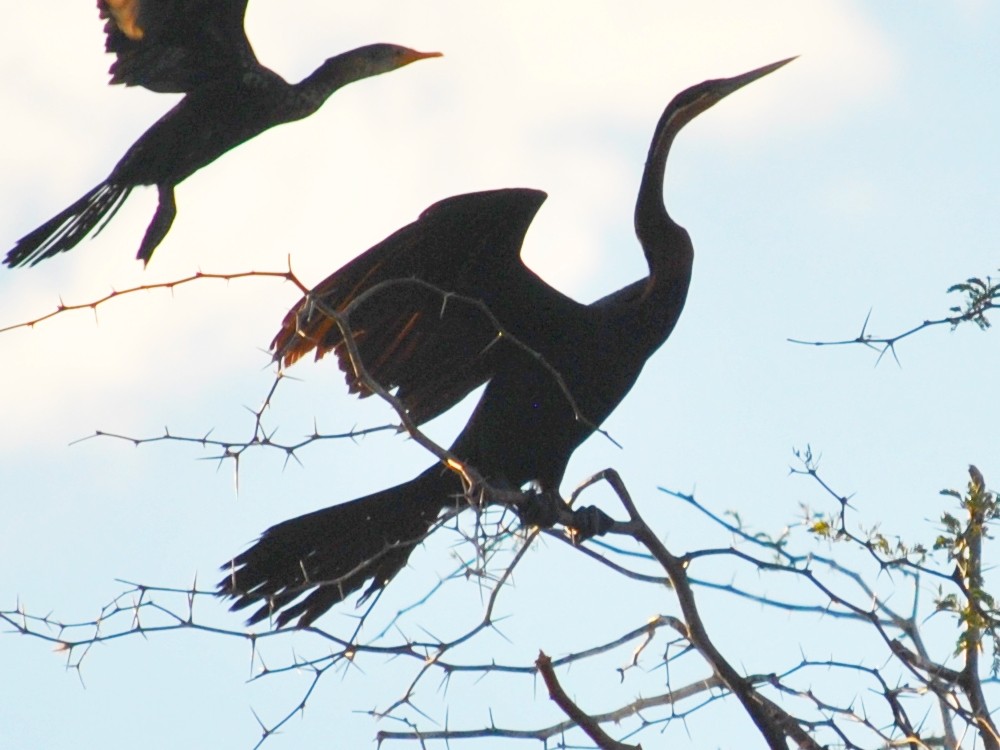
(375, 59)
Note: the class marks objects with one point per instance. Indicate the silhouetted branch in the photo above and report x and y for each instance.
(261, 437)
(774, 724)
(62, 307)
(233, 449)
(981, 297)
(907, 680)
(142, 610)
(341, 318)
(577, 715)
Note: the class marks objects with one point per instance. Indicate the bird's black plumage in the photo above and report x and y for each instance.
(433, 350)
(198, 48)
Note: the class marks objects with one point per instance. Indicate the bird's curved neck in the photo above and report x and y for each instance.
(666, 245)
(313, 90)
(649, 203)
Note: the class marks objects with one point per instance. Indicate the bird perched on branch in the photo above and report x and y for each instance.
(199, 48)
(416, 306)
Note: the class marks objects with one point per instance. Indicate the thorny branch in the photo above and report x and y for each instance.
(981, 297)
(261, 437)
(62, 307)
(781, 710)
(906, 724)
(342, 317)
(576, 714)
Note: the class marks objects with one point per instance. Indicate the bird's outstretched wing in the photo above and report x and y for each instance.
(175, 45)
(429, 302)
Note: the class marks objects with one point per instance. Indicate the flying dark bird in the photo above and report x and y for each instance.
(199, 48)
(433, 350)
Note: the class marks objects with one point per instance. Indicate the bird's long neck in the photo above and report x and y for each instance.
(666, 245)
(312, 91)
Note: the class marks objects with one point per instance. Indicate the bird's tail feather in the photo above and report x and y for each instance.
(63, 231)
(329, 554)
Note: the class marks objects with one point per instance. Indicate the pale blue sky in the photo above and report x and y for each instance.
(863, 176)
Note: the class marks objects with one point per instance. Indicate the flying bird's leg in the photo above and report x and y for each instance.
(160, 225)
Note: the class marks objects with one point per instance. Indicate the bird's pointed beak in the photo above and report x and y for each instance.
(423, 55)
(726, 86)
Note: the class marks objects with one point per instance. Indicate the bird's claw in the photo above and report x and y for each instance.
(542, 509)
(589, 522)
(547, 509)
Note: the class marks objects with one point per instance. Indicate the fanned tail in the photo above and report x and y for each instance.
(64, 231)
(330, 553)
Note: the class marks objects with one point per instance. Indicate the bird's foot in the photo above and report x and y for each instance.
(542, 509)
(589, 522)
(547, 509)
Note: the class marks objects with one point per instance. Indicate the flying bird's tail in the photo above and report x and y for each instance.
(64, 231)
(330, 553)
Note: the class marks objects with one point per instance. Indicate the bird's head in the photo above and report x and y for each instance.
(693, 101)
(375, 59)
(659, 235)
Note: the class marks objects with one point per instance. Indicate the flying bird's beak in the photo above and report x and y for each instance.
(423, 55)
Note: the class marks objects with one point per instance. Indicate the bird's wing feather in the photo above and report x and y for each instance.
(175, 45)
(420, 300)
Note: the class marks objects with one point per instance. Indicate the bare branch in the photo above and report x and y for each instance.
(981, 297)
(62, 307)
(577, 715)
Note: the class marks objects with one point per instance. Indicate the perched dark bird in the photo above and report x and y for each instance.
(199, 48)
(433, 350)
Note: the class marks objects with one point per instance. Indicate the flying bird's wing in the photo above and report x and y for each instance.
(431, 347)
(175, 45)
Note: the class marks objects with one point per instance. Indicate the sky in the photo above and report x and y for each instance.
(859, 179)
